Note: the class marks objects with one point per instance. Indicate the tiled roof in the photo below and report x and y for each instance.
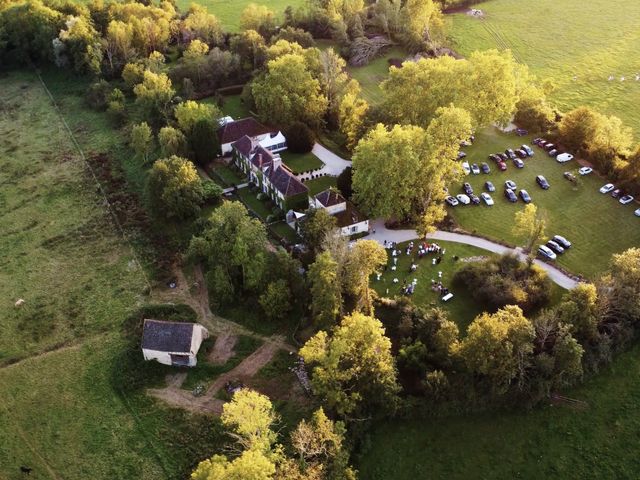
(286, 182)
(243, 145)
(167, 336)
(329, 197)
(233, 131)
(349, 217)
(261, 157)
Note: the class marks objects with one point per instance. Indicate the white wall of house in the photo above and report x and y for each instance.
(275, 143)
(359, 227)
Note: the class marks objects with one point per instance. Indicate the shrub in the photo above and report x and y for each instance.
(344, 182)
(97, 94)
(261, 196)
(300, 138)
(212, 192)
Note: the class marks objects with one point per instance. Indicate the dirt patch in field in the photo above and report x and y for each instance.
(222, 350)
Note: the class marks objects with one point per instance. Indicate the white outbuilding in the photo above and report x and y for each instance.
(172, 343)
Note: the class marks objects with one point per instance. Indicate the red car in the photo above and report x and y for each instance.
(502, 166)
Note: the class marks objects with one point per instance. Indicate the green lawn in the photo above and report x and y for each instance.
(284, 231)
(301, 162)
(251, 201)
(596, 224)
(375, 72)
(557, 442)
(566, 39)
(228, 11)
(320, 184)
(227, 174)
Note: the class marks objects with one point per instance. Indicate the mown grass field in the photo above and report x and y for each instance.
(596, 224)
(564, 39)
(375, 72)
(301, 162)
(558, 442)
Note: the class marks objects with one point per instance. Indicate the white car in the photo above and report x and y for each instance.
(585, 170)
(466, 168)
(564, 157)
(463, 199)
(475, 169)
(546, 252)
(607, 188)
(487, 198)
(637, 213)
(627, 199)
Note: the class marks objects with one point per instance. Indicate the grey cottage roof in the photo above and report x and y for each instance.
(165, 336)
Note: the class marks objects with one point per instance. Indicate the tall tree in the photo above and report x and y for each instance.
(364, 259)
(191, 112)
(258, 18)
(250, 417)
(174, 188)
(154, 95)
(326, 290)
(141, 140)
(318, 223)
(351, 118)
(422, 24)
(353, 368)
(202, 25)
(531, 225)
(172, 141)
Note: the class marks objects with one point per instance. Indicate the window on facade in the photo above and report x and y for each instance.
(354, 229)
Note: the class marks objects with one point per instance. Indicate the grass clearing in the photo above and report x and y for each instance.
(320, 184)
(301, 162)
(600, 40)
(283, 231)
(228, 175)
(581, 214)
(233, 106)
(548, 442)
(375, 72)
(251, 201)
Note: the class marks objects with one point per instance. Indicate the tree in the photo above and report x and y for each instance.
(579, 310)
(288, 93)
(621, 288)
(249, 416)
(533, 112)
(531, 225)
(204, 140)
(234, 242)
(250, 465)
(300, 138)
(174, 188)
(117, 44)
(172, 141)
(141, 140)
(82, 45)
(344, 182)
(258, 18)
(334, 82)
(364, 259)
(154, 95)
(276, 300)
(326, 291)
(189, 113)
(353, 368)
(199, 24)
(250, 47)
(499, 347)
(297, 35)
(401, 173)
(351, 118)
(422, 24)
(115, 106)
(317, 224)
(133, 74)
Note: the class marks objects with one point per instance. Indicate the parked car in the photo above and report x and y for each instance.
(510, 153)
(475, 169)
(521, 153)
(637, 213)
(560, 240)
(487, 198)
(540, 180)
(495, 157)
(607, 188)
(461, 155)
(527, 150)
(466, 143)
(524, 195)
(463, 199)
(553, 153)
(537, 140)
(503, 156)
(485, 168)
(555, 247)
(616, 193)
(569, 176)
(585, 170)
(542, 142)
(546, 252)
(518, 163)
(466, 187)
(548, 146)
(474, 199)
(451, 201)
(489, 186)
(626, 200)
(521, 132)
(502, 166)
(510, 195)
(510, 184)
(466, 168)
(564, 157)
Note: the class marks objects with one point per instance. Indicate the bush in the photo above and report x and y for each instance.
(97, 95)
(262, 196)
(300, 138)
(212, 192)
(344, 181)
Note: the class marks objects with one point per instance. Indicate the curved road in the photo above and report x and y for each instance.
(382, 233)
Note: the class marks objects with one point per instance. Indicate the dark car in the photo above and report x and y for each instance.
(461, 155)
(502, 166)
(510, 184)
(503, 156)
(521, 153)
(521, 132)
(474, 199)
(518, 163)
(616, 193)
(553, 153)
(540, 180)
(549, 146)
(524, 195)
(510, 195)
(510, 153)
(494, 157)
(485, 168)
(537, 140)
(489, 186)
(466, 187)
(555, 246)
